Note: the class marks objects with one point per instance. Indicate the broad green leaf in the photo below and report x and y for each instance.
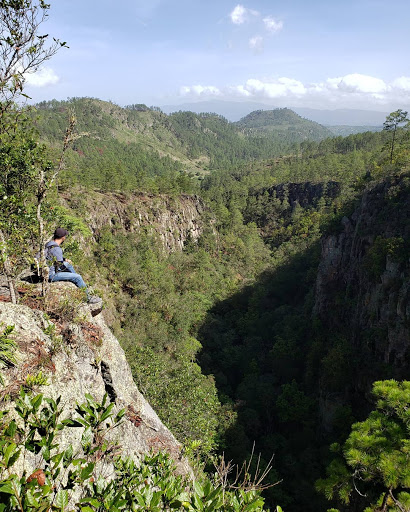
(184, 496)
(79, 422)
(11, 429)
(87, 437)
(61, 499)
(68, 454)
(7, 488)
(36, 401)
(13, 458)
(140, 499)
(156, 498)
(8, 453)
(30, 499)
(57, 458)
(106, 413)
(119, 415)
(254, 505)
(197, 502)
(87, 471)
(211, 495)
(198, 489)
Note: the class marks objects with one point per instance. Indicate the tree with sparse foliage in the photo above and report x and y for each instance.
(392, 123)
(23, 49)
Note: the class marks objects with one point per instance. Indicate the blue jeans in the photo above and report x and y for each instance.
(70, 275)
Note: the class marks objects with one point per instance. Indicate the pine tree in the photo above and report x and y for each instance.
(376, 463)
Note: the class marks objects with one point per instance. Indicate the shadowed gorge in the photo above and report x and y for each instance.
(296, 353)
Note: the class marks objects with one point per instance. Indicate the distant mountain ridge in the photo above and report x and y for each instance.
(235, 110)
(343, 130)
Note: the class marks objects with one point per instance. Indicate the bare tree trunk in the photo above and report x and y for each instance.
(42, 268)
(7, 269)
(43, 187)
(392, 145)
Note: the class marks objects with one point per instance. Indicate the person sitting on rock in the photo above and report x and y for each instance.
(60, 268)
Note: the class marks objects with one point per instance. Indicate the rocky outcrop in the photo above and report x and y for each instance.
(173, 219)
(80, 355)
(363, 286)
(305, 194)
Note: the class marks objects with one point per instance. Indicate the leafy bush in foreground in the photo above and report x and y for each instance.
(71, 480)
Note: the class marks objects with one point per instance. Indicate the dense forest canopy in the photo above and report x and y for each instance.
(282, 122)
(155, 147)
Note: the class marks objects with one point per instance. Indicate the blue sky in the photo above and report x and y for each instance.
(319, 54)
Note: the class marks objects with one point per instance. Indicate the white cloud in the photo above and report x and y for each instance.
(349, 91)
(402, 83)
(357, 83)
(241, 14)
(200, 90)
(238, 15)
(279, 88)
(272, 25)
(41, 78)
(256, 43)
(240, 90)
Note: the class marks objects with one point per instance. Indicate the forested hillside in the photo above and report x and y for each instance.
(157, 148)
(283, 122)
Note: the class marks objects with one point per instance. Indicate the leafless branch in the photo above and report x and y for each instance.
(246, 478)
(45, 183)
(397, 502)
(355, 475)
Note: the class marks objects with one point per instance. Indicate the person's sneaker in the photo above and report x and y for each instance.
(94, 300)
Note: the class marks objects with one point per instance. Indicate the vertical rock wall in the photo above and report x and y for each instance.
(173, 219)
(363, 286)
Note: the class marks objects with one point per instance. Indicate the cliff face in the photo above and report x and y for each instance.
(173, 219)
(363, 287)
(79, 354)
(305, 194)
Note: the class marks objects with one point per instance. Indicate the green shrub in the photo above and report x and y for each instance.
(375, 260)
(32, 381)
(65, 478)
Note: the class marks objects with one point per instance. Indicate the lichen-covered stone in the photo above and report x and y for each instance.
(85, 358)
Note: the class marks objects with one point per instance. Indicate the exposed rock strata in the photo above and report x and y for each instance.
(173, 219)
(305, 194)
